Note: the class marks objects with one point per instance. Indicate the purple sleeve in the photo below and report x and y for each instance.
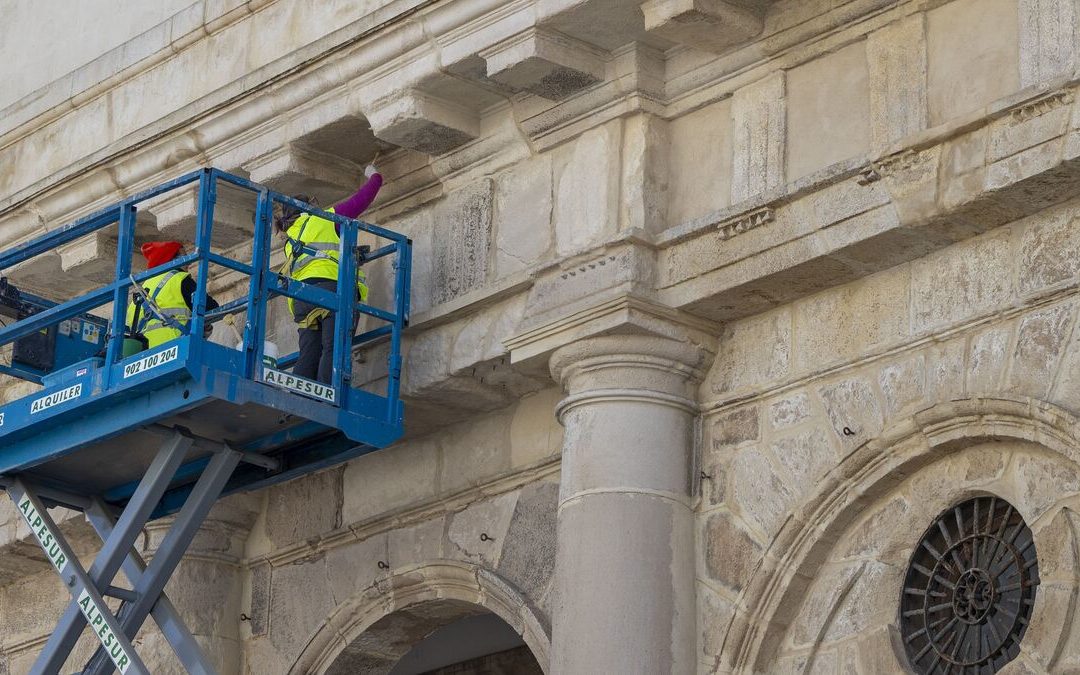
(358, 203)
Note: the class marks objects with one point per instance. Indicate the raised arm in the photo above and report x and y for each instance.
(362, 198)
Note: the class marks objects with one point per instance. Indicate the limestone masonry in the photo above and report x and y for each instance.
(721, 307)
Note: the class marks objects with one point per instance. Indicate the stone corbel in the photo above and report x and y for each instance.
(710, 25)
(234, 216)
(296, 170)
(423, 122)
(545, 63)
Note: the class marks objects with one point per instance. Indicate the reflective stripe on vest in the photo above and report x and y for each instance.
(165, 292)
(311, 238)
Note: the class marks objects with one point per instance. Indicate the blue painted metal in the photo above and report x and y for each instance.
(103, 401)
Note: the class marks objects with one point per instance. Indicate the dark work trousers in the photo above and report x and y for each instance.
(316, 360)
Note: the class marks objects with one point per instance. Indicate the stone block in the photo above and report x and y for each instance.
(839, 324)
(1040, 341)
(545, 63)
(587, 190)
(710, 25)
(535, 434)
(752, 352)
(986, 359)
(645, 176)
(715, 613)
(523, 215)
(699, 163)
(828, 111)
(758, 492)
(732, 428)
(759, 118)
(902, 385)
(300, 600)
(474, 453)
(876, 534)
(419, 121)
(1047, 38)
(852, 404)
(478, 534)
(92, 258)
(1038, 483)
(528, 554)
(897, 66)
(972, 48)
(806, 455)
(945, 370)
(385, 481)
(354, 567)
(417, 544)
(790, 410)
(304, 507)
(1031, 125)
(825, 598)
(963, 280)
(462, 240)
(731, 554)
(294, 170)
(1049, 250)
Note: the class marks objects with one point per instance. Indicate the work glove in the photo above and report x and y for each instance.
(370, 170)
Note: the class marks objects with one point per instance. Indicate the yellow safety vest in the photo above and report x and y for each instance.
(312, 251)
(164, 290)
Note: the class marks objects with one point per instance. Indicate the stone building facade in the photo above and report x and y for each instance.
(718, 306)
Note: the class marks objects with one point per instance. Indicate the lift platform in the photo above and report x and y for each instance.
(172, 429)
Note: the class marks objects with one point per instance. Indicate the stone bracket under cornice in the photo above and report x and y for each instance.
(545, 63)
(624, 315)
(710, 25)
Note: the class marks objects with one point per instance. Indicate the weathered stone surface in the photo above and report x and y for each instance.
(759, 117)
(752, 352)
(1049, 251)
(304, 507)
(353, 567)
(731, 554)
(522, 220)
(902, 384)
(711, 26)
(896, 55)
(586, 190)
(699, 160)
(735, 427)
(301, 592)
(789, 410)
(385, 481)
(971, 277)
(716, 612)
(972, 55)
(423, 122)
(828, 111)
(479, 532)
(545, 63)
(1040, 338)
(760, 494)
(875, 535)
(853, 405)
(806, 455)
(528, 554)
(987, 359)
(1047, 40)
(462, 241)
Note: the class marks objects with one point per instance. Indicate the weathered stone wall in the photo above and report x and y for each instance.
(715, 307)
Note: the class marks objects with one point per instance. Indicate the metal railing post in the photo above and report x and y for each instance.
(346, 310)
(203, 231)
(255, 327)
(124, 245)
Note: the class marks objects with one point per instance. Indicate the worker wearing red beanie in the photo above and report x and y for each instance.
(171, 293)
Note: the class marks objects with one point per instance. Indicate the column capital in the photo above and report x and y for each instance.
(642, 368)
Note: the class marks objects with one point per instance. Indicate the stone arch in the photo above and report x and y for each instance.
(777, 587)
(431, 594)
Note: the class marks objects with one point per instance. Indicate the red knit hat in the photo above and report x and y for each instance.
(160, 252)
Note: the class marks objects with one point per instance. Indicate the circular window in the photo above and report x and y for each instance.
(969, 589)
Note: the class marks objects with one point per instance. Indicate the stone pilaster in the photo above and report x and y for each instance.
(896, 55)
(1047, 40)
(625, 554)
(759, 117)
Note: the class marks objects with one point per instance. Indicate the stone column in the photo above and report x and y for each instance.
(625, 552)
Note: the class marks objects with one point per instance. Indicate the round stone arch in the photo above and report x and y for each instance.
(778, 587)
(373, 625)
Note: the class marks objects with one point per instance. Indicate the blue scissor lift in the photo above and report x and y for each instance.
(172, 429)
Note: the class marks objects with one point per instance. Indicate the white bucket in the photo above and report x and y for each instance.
(270, 352)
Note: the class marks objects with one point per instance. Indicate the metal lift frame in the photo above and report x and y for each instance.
(170, 483)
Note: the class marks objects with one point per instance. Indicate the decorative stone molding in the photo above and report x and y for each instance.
(358, 622)
(296, 170)
(755, 634)
(545, 63)
(745, 222)
(625, 314)
(710, 25)
(1041, 106)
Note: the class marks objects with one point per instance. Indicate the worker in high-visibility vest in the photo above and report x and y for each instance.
(171, 294)
(311, 255)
